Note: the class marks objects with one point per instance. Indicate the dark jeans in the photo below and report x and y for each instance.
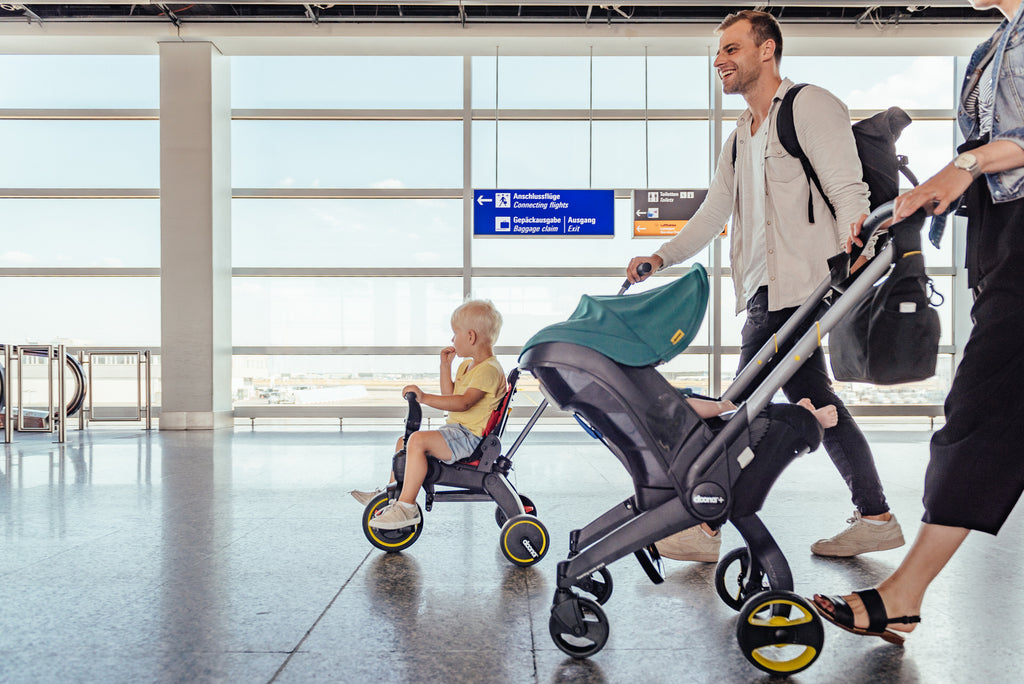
(845, 442)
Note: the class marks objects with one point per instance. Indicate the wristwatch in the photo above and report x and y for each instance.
(969, 163)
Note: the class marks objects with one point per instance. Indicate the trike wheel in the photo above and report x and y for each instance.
(524, 540)
(594, 631)
(389, 540)
(501, 518)
(779, 632)
(733, 581)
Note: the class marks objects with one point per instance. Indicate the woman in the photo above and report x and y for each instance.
(976, 471)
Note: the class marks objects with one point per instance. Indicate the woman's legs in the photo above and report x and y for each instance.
(903, 591)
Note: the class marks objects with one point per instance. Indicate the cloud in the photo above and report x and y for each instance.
(17, 259)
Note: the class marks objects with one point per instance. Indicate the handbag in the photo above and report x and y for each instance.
(892, 335)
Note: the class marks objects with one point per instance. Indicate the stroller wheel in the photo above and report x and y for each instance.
(585, 638)
(388, 540)
(524, 540)
(597, 586)
(528, 506)
(733, 581)
(779, 632)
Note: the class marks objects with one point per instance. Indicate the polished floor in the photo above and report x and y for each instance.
(237, 556)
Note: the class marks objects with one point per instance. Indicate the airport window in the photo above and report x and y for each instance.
(79, 154)
(346, 154)
(390, 233)
(346, 82)
(79, 82)
(82, 233)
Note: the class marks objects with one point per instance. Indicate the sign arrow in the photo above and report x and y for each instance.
(481, 199)
(641, 212)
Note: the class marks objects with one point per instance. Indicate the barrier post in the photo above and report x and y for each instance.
(8, 423)
(149, 390)
(61, 395)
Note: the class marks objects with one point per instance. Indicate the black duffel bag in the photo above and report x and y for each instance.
(892, 335)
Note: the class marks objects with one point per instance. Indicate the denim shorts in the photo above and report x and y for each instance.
(459, 439)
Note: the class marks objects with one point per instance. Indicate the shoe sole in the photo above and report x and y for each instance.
(395, 525)
(894, 544)
(695, 557)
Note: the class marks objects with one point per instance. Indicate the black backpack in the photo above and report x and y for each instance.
(876, 146)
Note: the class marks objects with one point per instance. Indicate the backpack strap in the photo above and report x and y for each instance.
(786, 129)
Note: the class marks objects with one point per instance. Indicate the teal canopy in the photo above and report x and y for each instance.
(636, 330)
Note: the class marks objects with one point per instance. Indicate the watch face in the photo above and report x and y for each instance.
(965, 161)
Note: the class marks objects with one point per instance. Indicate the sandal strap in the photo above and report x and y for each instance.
(878, 619)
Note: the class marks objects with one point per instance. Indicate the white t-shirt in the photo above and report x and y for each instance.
(755, 270)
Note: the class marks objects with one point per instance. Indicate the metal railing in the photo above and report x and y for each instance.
(143, 384)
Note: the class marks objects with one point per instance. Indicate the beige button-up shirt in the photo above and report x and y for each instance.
(798, 251)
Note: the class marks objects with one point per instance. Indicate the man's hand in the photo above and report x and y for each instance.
(633, 277)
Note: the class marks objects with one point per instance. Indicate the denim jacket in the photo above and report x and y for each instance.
(1008, 107)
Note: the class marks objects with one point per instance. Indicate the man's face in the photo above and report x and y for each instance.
(738, 60)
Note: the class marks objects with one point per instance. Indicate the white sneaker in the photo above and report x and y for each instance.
(860, 537)
(365, 497)
(395, 516)
(692, 544)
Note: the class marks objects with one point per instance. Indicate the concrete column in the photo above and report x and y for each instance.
(195, 237)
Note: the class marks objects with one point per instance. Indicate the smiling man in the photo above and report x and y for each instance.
(779, 252)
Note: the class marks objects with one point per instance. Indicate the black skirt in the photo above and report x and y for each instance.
(976, 472)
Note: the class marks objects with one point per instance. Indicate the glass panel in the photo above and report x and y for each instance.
(532, 82)
(344, 311)
(529, 304)
(84, 233)
(346, 154)
(346, 233)
(677, 83)
(927, 392)
(94, 312)
(556, 154)
(873, 82)
(336, 380)
(878, 82)
(349, 82)
(80, 154)
(79, 81)
(564, 82)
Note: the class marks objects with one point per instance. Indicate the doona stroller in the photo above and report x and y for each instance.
(483, 476)
(687, 470)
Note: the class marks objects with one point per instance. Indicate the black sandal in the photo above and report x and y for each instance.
(841, 616)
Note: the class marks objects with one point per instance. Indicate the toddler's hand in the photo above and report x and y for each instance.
(414, 389)
(448, 355)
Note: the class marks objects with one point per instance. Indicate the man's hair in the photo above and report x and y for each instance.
(481, 316)
(763, 26)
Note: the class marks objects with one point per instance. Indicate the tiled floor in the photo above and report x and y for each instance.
(237, 556)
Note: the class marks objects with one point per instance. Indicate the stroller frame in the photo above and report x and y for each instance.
(701, 482)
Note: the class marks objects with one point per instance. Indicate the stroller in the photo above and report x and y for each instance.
(687, 470)
(483, 476)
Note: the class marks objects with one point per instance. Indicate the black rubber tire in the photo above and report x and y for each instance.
(732, 578)
(501, 518)
(598, 586)
(389, 540)
(524, 540)
(588, 644)
(779, 632)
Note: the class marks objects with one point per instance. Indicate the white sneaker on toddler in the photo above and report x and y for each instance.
(365, 497)
(395, 516)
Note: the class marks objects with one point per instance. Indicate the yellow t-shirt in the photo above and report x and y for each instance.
(487, 376)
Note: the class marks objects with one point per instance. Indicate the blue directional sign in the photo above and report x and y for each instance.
(589, 213)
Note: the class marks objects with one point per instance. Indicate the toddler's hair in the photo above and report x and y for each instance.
(479, 315)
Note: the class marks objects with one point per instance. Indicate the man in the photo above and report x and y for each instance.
(779, 256)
